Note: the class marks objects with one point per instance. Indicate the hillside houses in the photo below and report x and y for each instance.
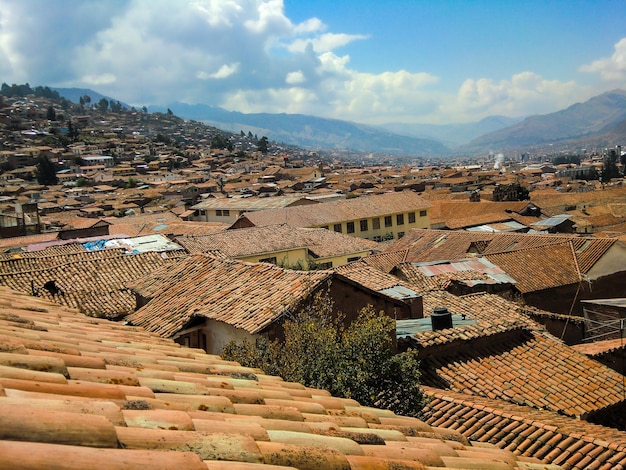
(491, 294)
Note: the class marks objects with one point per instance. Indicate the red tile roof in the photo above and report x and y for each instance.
(79, 392)
(551, 437)
(337, 211)
(523, 367)
(536, 269)
(92, 281)
(275, 238)
(436, 245)
(250, 296)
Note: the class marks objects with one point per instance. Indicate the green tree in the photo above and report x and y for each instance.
(82, 182)
(72, 131)
(610, 168)
(51, 114)
(103, 105)
(263, 145)
(46, 171)
(116, 106)
(354, 361)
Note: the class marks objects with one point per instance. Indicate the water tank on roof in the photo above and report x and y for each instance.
(441, 319)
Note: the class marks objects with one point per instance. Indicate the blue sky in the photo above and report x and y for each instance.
(366, 61)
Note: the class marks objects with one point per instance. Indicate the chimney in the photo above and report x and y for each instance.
(441, 319)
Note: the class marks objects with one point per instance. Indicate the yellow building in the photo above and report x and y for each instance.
(380, 217)
(229, 209)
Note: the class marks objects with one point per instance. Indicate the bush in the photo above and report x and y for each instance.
(355, 362)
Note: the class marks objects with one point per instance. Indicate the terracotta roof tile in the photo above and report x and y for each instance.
(227, 290)
(92, 281)
(275, 238)
(545, 435)
(101, 407)
(437, 245)
(338, 211)
(517, 364)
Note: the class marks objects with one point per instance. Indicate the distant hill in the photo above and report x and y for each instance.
(595, 117)
(74, 94)
(309, 131)
(453, 135)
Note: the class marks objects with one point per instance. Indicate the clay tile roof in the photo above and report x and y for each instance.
(92, 281)
(540, 268)
(521, 363)
(275, 238)
(370, 277)
(386, 261)
(545, 435)
(457, 214)
(337, 211)
(599, 348)
(245, 295)
(78, 392)
(435, 245)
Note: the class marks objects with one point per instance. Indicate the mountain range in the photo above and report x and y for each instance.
(598, 122)
(309, 131)
(601, 119)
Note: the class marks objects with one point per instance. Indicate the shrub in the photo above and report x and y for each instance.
(356, 361)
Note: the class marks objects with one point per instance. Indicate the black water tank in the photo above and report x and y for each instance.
(441, 319)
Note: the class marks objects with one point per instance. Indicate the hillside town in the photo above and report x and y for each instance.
(135, 246)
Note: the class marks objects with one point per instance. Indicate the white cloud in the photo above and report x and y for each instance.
(524, 94)
(104, 79)
(295, 78)
(224, 71)
(247, 55)
(325, 43)
(312, 25)
(610, 68)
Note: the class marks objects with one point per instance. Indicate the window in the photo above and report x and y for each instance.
(411, 217)
(387, 221)
(400, 219)
(225, 212)
(376, 223)
(400, 235)
(353, 258)
(337, 228)
(271, 260)
(350, 227)
(218, 212)
(363, 224)
(377, 238)
(423, 213)
(327, 265)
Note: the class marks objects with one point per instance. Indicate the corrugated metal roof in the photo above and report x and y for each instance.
(407, 328)
(510, 226)
(145, 244)
(617, 302)
(479, 265)
(400, 292)
(552, 221)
